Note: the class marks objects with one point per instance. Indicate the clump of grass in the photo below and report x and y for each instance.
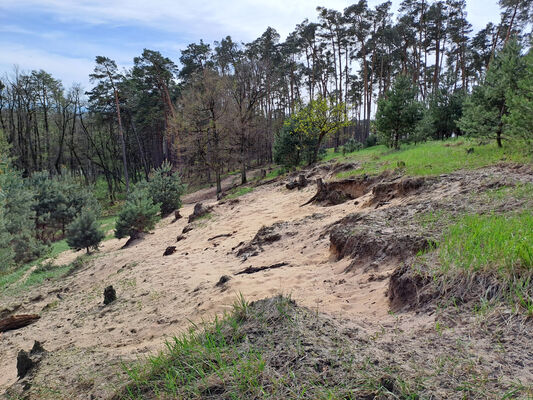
(234, 193)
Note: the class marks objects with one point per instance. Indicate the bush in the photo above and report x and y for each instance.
(287, 146)
(58, 201)
(18, 217)
(84, 233)
(291, 147)
(351, 145)
(139, 214)
(165, 188)
(371, 140)
(6, 252)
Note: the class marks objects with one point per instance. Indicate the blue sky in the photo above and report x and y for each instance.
(63, 36)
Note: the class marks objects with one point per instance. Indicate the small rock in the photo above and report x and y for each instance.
(187, 228)
(179, 238)
(110, 295)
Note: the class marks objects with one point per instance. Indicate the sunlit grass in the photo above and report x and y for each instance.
(240, 191)
(431, 158)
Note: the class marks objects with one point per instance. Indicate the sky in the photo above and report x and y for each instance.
(64, 36)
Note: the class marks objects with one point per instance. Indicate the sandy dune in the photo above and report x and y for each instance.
(159, 296)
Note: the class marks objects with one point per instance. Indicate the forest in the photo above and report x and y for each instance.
(354, 78)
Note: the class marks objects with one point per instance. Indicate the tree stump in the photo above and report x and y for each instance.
(110, 295)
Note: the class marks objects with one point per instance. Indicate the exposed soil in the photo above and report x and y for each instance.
(341, 261)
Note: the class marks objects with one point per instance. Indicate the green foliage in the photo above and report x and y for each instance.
(6, 251)
(301, 135)
(496, 243)
(351, 145)
(139, 214)
(165, 188)
(58, 201)
(498, 246)
(318, 119)
(18, 216)
(371, 140)
(519, 120)
(288, 145)
(440, 118)
(486, 110)
(398, 113)
(84, 232)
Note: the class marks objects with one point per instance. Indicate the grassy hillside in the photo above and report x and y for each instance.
(431, 158)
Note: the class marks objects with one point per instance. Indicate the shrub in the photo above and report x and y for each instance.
(165, 188)
(58, 201)
(84, 233)
(351, 145)
(139, 214)
(18, 217)
(371, 140)
(6, 252)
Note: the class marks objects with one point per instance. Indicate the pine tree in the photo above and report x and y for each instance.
(398, 113)
(19, 216)
(138, 215)
(165, 188)
(84, 233)
(6, 251)
(486, 109)
(519, 121)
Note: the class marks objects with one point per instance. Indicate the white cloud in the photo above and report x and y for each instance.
(69, 69)
(200, 18)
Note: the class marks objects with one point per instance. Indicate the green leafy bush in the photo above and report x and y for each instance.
(139, 214)
(84, 232)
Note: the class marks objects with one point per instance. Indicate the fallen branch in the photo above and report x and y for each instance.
(253, 270)
(220, 236)
(17, 321)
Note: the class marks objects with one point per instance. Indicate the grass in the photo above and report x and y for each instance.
(485, 257)
(258, 351)
(240, 191)
(501, 243)
(273, 349)
(108, 224)
(430, 158)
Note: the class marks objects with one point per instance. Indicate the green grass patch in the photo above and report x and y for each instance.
(240, 191)
(494, 252)
(500, 243)
(520, 191)
(431, 158)
(107, 224)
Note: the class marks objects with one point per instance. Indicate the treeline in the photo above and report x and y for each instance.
(222, 106)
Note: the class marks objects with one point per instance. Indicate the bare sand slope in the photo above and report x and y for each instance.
(159, 296)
